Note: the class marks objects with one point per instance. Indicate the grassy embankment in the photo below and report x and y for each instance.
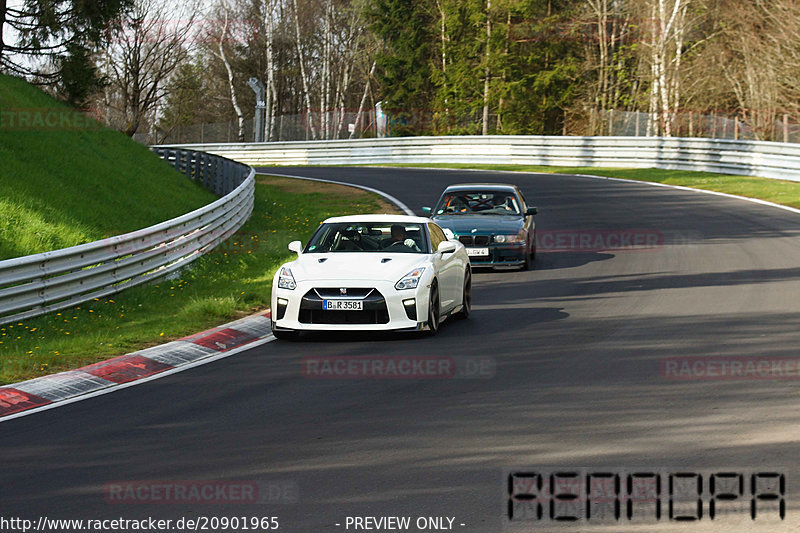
(65, 186)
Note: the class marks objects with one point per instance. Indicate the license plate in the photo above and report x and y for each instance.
(477, 252)
(343, 305)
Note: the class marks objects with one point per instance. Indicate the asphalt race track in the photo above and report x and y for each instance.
(580, 347)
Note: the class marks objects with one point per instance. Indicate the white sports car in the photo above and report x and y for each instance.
(372, 272)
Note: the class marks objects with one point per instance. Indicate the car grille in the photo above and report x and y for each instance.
(351, 293)
(474, 240)
(374, 312)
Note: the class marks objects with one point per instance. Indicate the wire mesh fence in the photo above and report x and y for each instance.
(348, 124)
(335, 124)
(773, 127)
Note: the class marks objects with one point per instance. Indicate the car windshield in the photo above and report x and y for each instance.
(478, 203)
(369, 237)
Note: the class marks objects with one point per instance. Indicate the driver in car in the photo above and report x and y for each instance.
(400, 238)
(501, 202)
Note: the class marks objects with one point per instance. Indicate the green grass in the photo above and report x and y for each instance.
(231, 282)
(777, 191)
(76, 182)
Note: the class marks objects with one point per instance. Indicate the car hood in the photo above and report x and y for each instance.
(482, 224)
(355, 266)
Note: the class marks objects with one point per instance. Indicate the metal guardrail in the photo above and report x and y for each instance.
(752, 158)
(50, 281)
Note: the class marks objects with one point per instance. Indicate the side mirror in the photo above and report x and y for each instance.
(296, 247)
(426, 210)
(532, 211)
(446, 247)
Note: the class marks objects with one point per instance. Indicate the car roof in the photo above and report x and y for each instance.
(399, 219)
(485, 186)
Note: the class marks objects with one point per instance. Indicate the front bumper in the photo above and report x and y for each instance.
(384, 307)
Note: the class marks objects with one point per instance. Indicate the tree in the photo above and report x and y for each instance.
(186, 96)
(79, 77)
(223, 56)
(153, 41)
(542, 66)
(756, 55)
(610, 58)
(404, 62)
(56, 39)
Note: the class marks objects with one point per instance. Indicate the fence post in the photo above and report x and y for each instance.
(785, 127)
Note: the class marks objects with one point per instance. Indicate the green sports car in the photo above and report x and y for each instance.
(492, 220)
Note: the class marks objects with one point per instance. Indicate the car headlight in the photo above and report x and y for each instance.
(519, 237)
(410, 280)
(286, 280)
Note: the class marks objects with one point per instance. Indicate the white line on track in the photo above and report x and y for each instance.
(692, 189)
(626, 180)
(388, 196)
(115, 388)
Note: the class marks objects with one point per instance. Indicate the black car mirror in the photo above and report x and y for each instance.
(532, 211)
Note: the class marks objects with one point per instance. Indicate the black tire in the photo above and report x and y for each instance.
(434, 311)
(283, 334)
(466, 296)
(530, 255)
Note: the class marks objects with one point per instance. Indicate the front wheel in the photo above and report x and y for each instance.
(434, 311)
(466, 296)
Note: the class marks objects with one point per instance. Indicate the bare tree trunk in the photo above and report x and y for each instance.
(231, 87)
(271, 93)
(675, 84)
(600, 8)
(352, 51)
(652, 126)
(326, 71)
(487, 70)
(306, 94)
(501, 103)
(363, 98)
(2, 24)
(443, 44)
(342, 89)
(665, 80)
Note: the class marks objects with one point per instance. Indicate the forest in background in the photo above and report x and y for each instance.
(437, 67)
